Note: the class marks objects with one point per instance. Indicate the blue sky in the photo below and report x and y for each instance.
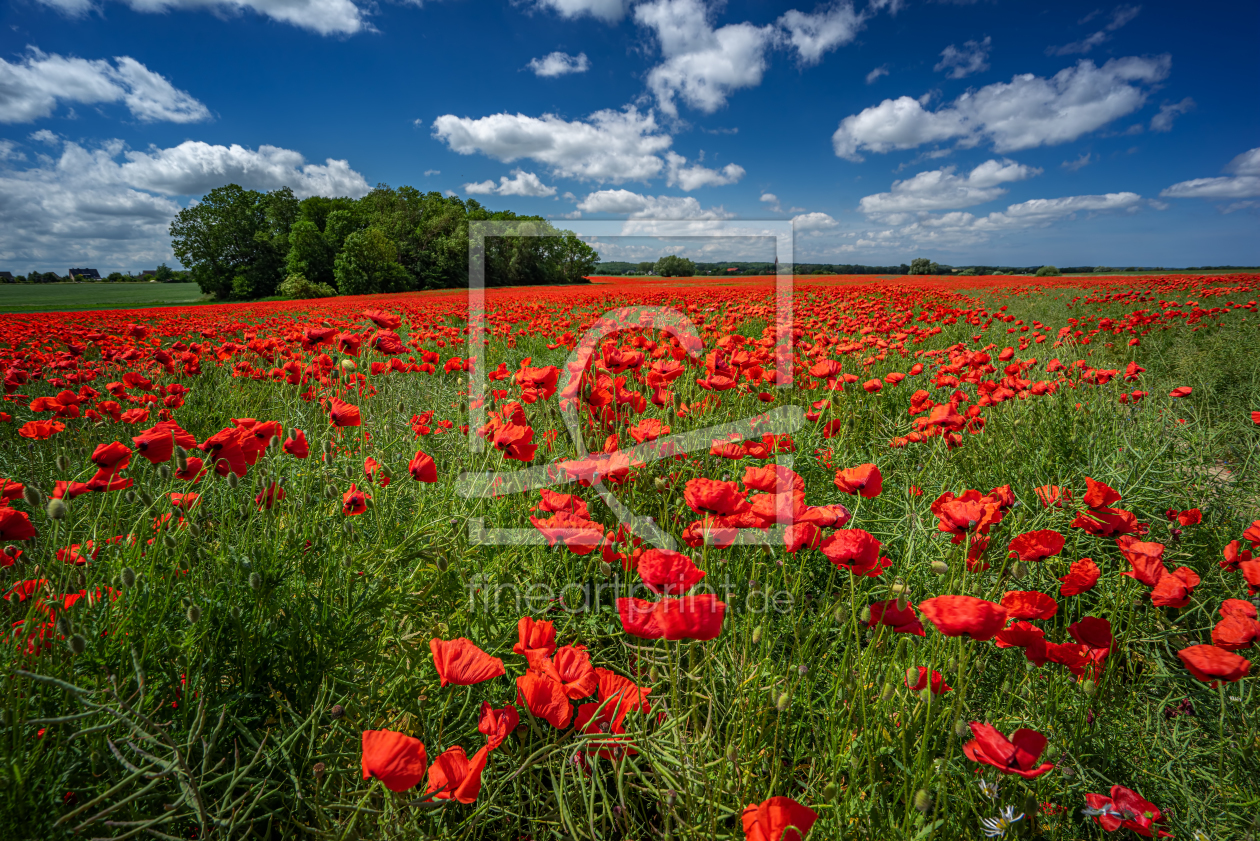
(1005, 132)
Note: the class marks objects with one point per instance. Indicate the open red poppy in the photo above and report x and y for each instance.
(1017, 755)
(955, 616)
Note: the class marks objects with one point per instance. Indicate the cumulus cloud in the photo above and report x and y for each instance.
(325, 17)
(874, 75)
(1027, 112)
(636, 206)
(1119, 17)
(1168, 112)
(1242, 182)
(559, 64)
(813, 222)
(111, 206)
(520, 184)
(972, 58)
(32, 87)
(608, 146)
(941, 189)
(695, 176)
(609, 11)
(814, 35)
(702, 65)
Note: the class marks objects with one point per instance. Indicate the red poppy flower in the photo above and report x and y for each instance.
(1175, 588)
(1081, 577)
(857, 551)
(495, 725)
(534, 635)
(1092, 631)
(1181, 391)
(903, 620)
(865, 479)
(295, 445)
(970, 513)
(422, 467)
(354, 501)
(1108, 522)
(40, 430)
(1099, 495)
(954, 616)
(158, 443)
(545, 698)
(777, 819)
(709, 496)
(922, 681)
(374, 472)
(1251, 574)
(15, 525)
(1146, 558)
(1212, 665)
(1029, 604)
(1126, 809)
(453, 776)
(579, 535)
(1037, 545)
(462, 663)
(1016, 755)
(625, 695)
(343, 414)
(672, 573)
(689, 617)
(1235, 632)
(801, 536)
(397, 760)
(825, 516)
(269, 496)
(1238, 607)
(193, 471)
(1074, 656)
(570, 667)
(1027, 636)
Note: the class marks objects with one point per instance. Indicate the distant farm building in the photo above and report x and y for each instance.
(84, 274)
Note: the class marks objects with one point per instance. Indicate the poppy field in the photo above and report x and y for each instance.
(953, 558)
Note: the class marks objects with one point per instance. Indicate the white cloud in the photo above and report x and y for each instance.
(695, 176)
(814, 35)
(326, 17)
(112, 207)
(559, 64)
(1027, 112)
(702, 65)
(1168, 112)
(429, 172)
(609, 146)
(31, 88)
(874, 75)
(941, 189)
(45, 136)
(1242, 183)
(813, 222)
(637, 206)
(972, 58)
(1083, 161)
(609, 11)
(9, 152)
(769, 198)
(521, 184)
(1119, 17)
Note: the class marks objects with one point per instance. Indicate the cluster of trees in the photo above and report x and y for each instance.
(242, 244)
(164, 274)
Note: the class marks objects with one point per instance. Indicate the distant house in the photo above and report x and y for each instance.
(6, 277)
(84, 274)
(148, 272)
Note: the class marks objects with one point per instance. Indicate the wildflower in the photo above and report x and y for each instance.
(996, 827)
(989, 788)
(777, 819)
(354, 501)
(865, 480)
(395, 759)
(958, 615)
(1017, 755)
(453, 776)
(689, 617)
(1125, 809)
(462, 663)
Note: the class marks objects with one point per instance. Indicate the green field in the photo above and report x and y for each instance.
(63, 297)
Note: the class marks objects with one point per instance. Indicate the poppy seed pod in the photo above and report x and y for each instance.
(924, 800)
(63, 464)
(128, 577)
(336, 712)
(671, 797)
(194, 614)
(318, 771)
(77, 644)
(33, 497)
(255, 581)
(57, 509)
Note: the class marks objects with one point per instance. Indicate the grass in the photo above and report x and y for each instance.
(68, 297)
(312, 627)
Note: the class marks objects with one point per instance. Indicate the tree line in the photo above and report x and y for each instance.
(246, 244)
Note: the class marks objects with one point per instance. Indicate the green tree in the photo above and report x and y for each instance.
(671, 265)
(368, 263)
(164, 274)
(920, 265)
(576, 259)
(234, 241)
(310, 253)
(115, 277)
(1047, 271)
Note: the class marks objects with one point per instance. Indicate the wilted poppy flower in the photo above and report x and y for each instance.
(689, 617)
(545, 698)
(855, 550)
(1126, 809)
(397, 760)
(495, 725)
(1016, 755)
(865, 480)
(1037, 545)
(375, 472)
(1052, 495)
(1081, 577)
(1029, 604)
(672, 573)
(342, 413)
(1175, 588)
(537, 636)
(1212, 665)
(453, 776)
(354, 501)
(422, 467)
(15, 525)
(954, 616)
(903, 620)
(777, 819)
(922, 681)
(461, 662)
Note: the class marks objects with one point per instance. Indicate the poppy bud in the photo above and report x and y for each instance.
(57, 509)
(902, 601)
(336, 712)
(961, 730)
(903, 647)
(899, 588)
(233, 480)
(255, 581)
(128, 577)
(1019, 570)
(940, 567)
(865, 616)
(756, 635)
(653, 675)
(924, 800)
(783, 702)
(168, 540)
(348, 365)
(830, 791)
(402, 407)
(887, 692)
(841, 615)
(605, 569)
(194, 614)
(441, 563)
(1030, 805)
(661, 483)
(952, 665)
(63, 463)
(63, 625)
(1089, 688)
(912, 676)
(77, 644)
(328, 445)
(164, 472)
(33, 497)
(330, 492)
